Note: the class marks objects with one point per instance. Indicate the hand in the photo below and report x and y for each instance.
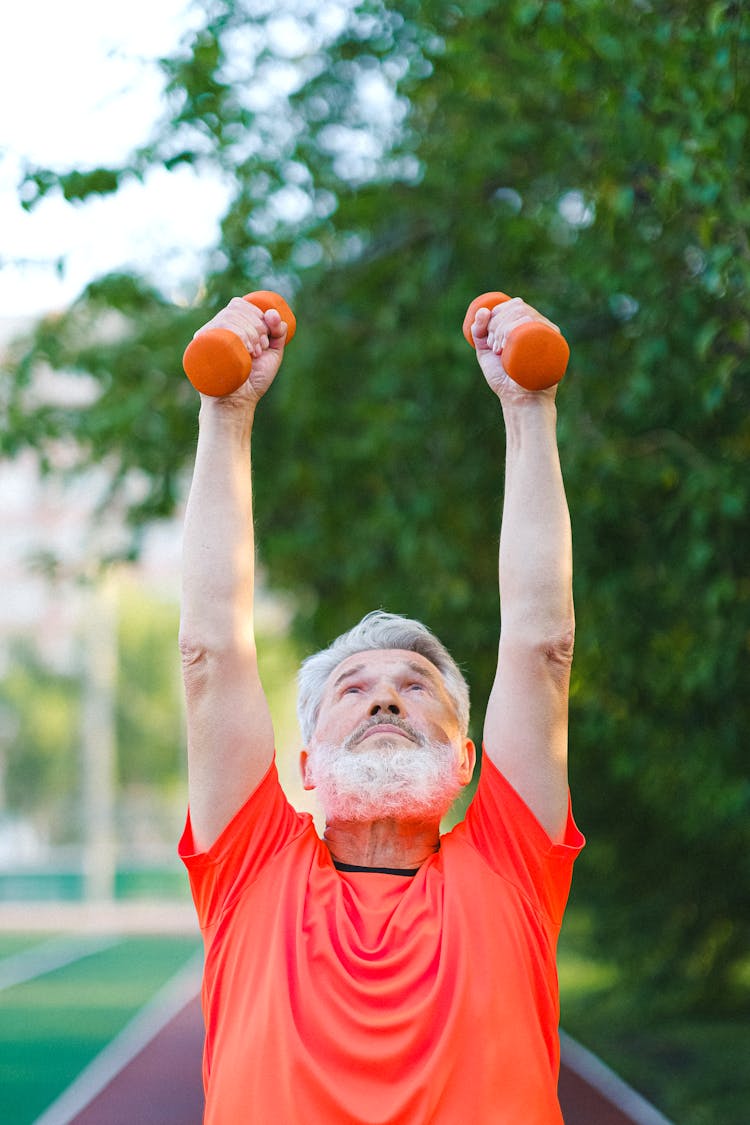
(264, 336)
(490, 332)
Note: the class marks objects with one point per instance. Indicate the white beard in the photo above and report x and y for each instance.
(387, 781)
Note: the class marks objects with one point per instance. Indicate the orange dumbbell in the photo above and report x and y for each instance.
(217, 362)
(535, 355)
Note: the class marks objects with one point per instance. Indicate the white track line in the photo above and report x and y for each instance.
(184, 985)
(50, 955)
(598, 1075)
(145, 1025)
(125, 917)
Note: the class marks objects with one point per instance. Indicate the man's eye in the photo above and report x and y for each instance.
(349, 690)
(416, 687)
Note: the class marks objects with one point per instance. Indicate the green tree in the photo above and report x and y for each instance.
(43, 709)
(148, 708)
(592, 156)
(41, 706)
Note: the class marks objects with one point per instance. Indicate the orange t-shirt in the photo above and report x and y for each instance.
(364, 998)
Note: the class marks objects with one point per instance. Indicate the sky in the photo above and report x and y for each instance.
(78, 85)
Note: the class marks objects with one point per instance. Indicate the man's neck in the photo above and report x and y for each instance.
(396, 844)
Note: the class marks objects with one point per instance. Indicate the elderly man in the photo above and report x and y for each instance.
(385, 973)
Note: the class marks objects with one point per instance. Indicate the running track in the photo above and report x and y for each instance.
(151, 1073)
(161, 1085)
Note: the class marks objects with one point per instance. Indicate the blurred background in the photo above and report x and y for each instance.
(380, 164)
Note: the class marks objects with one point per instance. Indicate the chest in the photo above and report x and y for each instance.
(363, 942)
(381, 993)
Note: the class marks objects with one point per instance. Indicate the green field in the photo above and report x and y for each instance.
(51, 1027)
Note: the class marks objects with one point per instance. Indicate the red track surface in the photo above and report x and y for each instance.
(162, 1085)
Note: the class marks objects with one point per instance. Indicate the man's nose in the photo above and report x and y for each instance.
(390, 706)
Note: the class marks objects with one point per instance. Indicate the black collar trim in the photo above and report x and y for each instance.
(379, 870)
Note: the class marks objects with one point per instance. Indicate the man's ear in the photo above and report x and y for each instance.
(467, 762)
(304, 768)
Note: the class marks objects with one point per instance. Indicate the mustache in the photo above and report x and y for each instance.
(392, 721)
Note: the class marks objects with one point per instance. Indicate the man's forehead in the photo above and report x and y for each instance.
(381, 659)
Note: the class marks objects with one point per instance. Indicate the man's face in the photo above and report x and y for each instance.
(388, 741)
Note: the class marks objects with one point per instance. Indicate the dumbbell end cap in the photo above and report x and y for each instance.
(217, 362)
(536, 356)
(265, 299)
(483, 301)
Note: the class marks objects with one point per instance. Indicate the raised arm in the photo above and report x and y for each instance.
(526, 724)
(230, 735)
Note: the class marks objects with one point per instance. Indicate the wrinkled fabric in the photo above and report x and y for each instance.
(340, 997)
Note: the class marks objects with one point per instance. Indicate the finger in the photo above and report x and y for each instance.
(508, 310)
(479, 327)
(226, 320)
(513, 311)
(277, 337)
(246, 315)
(248, 334)
(505, 323)
(498, 335)
(277, 328)
(273, 321)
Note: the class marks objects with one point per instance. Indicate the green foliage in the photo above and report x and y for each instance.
(149, 709)
(120, 333)
(690, 1066)
(593, 157)
(42, 705)
(40, 708)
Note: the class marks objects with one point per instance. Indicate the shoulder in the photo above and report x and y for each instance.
(261, 830)
(500, 829)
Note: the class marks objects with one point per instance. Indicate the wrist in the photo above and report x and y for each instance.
(537, 408)
(227, 415)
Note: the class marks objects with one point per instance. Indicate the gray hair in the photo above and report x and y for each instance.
(377, 630)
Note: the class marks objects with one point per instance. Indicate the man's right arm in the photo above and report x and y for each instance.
(230, 734)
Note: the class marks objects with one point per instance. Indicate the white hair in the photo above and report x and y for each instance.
(377, 630)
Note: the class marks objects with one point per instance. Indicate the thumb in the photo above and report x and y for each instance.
(277, 329)
(480, 328)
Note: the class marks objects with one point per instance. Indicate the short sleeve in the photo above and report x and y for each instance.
(503, 829)
(263, 827)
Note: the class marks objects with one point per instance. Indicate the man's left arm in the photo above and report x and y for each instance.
(526, 723)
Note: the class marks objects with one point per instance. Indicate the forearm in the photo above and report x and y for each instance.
(536, 595)
(218, 543)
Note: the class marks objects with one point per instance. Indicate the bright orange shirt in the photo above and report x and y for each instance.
(361, 998)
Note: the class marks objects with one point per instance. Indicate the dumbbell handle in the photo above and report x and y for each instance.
(535, 355)
(217, 362)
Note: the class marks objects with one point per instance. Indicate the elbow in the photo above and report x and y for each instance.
(557, 650)
(548, 649)
(200, 648)
(208, 655)
(193, 655)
